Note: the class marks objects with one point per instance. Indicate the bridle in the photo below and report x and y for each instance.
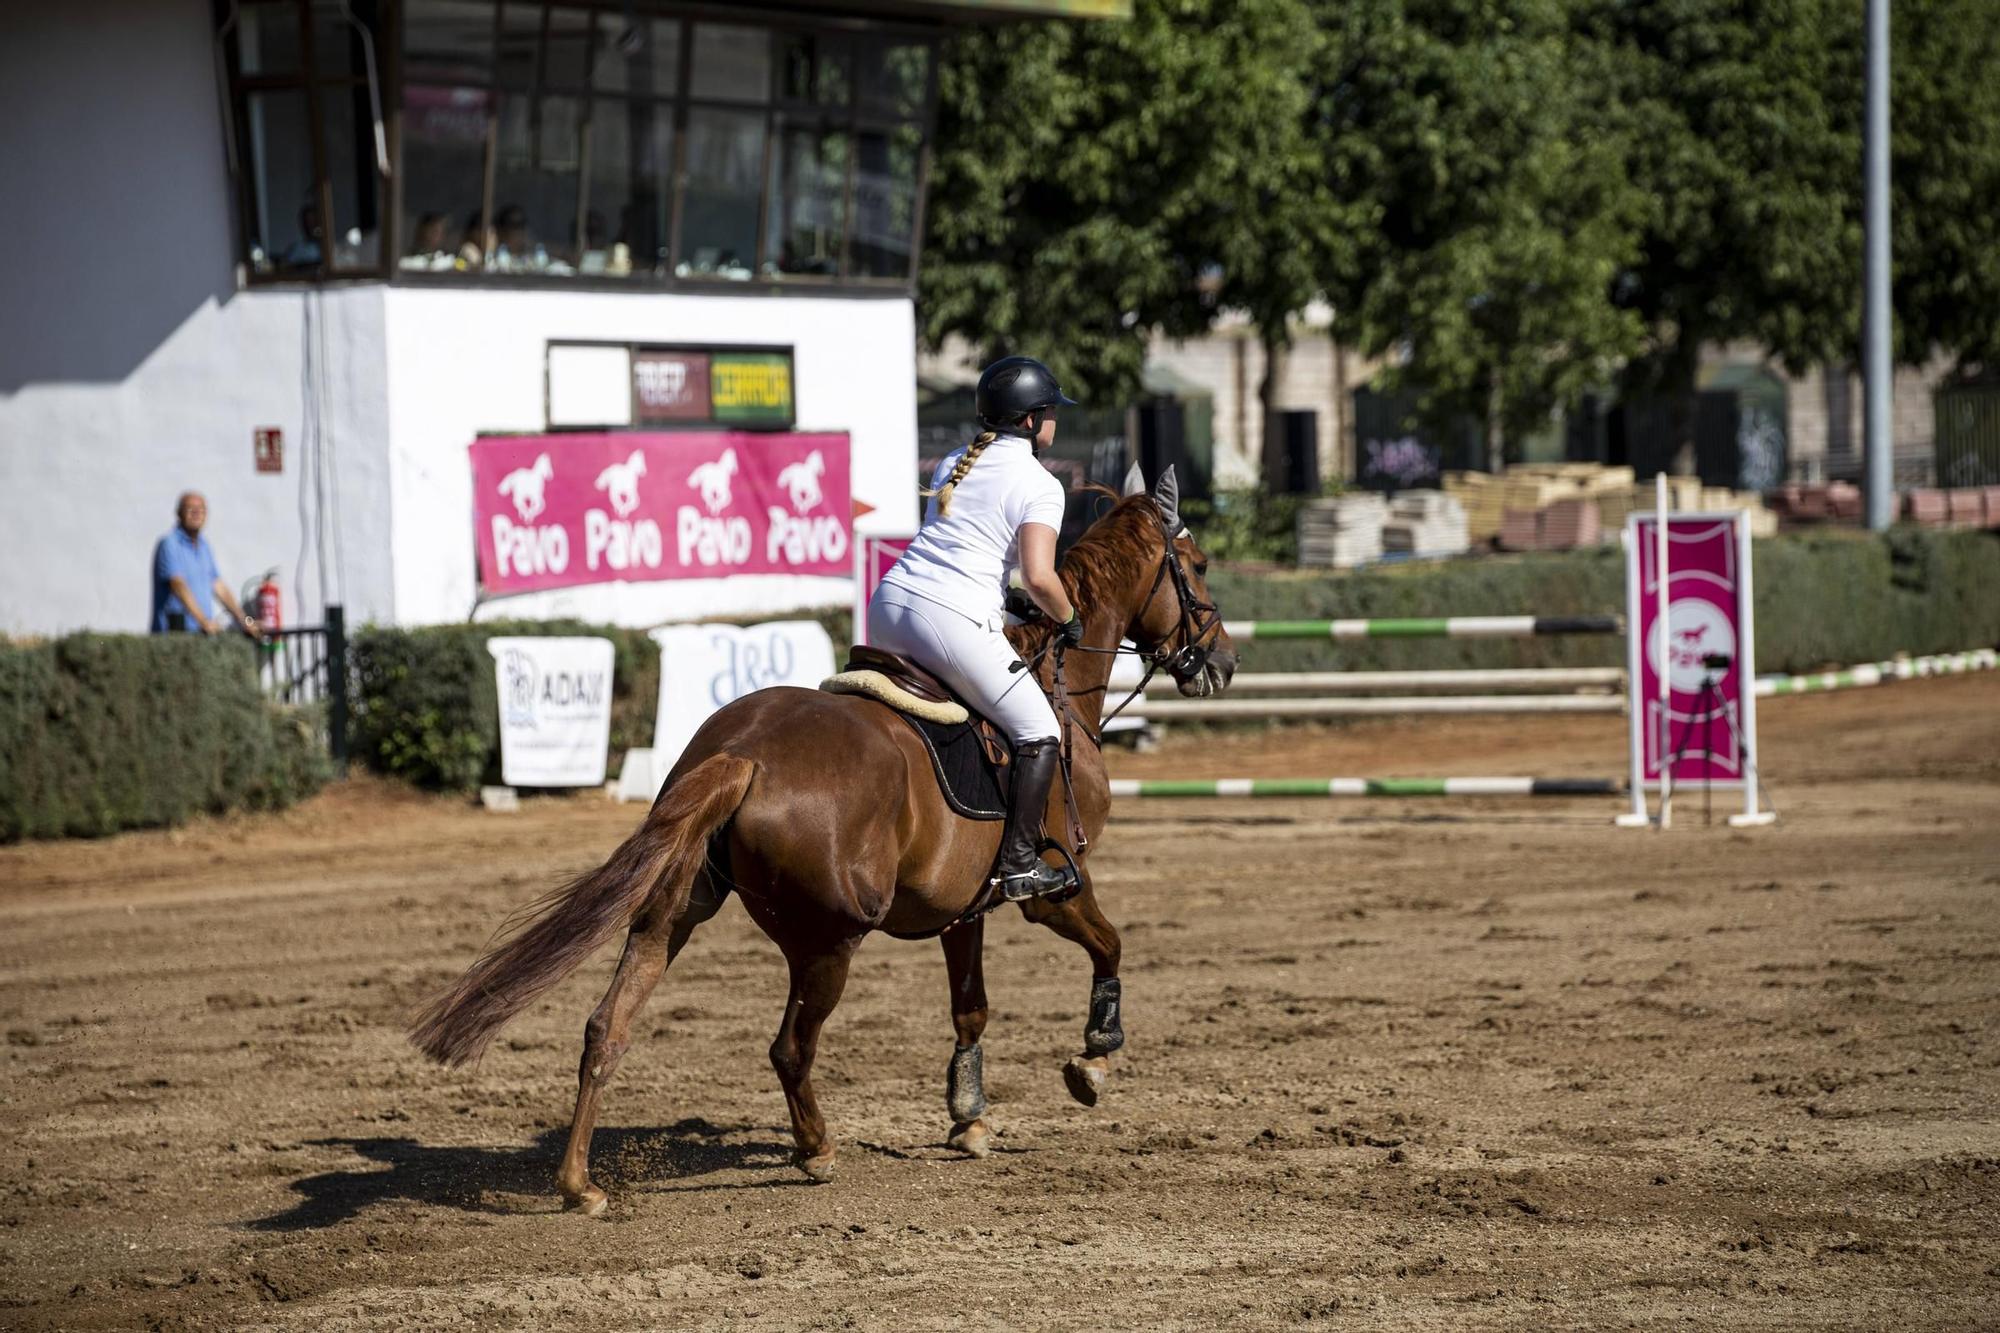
(1200, 623)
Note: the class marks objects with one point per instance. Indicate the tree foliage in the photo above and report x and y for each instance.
(1945, 173)
(1502, 218)
(1510, 199)
(1094, 182)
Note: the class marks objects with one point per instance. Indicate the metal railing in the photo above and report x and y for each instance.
(307, 665)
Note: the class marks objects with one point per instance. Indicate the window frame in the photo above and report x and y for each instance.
(310, 82)
(852, 120)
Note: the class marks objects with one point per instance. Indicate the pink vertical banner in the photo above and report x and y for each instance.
(873, 558)
(1706, 639)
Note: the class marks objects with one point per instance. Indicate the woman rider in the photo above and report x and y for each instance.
(992, 506)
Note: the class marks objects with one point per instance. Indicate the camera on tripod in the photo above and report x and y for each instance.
(1716, 661)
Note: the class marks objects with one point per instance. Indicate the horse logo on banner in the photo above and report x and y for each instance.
(525, 487)
(620, 483)
(712, 480)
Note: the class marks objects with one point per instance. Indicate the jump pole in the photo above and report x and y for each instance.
(1435, 627)
(1199, 710)
(1353, 787)
(1610, 679)
(1879, 673)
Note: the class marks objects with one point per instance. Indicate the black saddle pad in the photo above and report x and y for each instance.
(963, 771)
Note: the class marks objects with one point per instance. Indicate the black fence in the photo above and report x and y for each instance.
(308, 666)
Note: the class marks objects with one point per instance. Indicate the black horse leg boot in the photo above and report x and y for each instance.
(1021, 872)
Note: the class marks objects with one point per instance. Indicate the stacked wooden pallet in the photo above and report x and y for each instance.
(1962, 507)
(1479, 494)
(1425, 523)
(1342, 531)
(1818, 502)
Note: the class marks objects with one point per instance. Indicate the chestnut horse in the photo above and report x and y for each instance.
(779, 798)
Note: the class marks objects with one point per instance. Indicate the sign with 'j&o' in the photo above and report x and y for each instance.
(554, 511)
(703, 667)
(555, 709)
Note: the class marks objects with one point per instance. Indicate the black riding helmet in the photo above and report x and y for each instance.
(1014, 387)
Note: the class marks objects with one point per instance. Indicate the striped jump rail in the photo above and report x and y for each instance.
(1362, 682)
(1347, 787)
(1439, 627)
(1203, 710)
(1875, 673)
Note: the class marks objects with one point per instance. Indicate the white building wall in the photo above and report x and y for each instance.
(463, 363)
(131, 368)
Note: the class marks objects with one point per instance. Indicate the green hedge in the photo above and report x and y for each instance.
(102, 732)
(1833, 598)
(426, 709)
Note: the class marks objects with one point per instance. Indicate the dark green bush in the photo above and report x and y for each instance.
(426, 709)
(1834, 598)
(102, 732)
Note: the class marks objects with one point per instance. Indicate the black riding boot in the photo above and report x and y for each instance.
(1021, 872)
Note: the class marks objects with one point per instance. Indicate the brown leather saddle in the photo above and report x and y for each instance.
(920, 682)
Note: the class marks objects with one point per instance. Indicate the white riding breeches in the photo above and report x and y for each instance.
(972, 656)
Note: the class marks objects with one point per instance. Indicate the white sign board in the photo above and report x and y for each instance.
(555, 710)
(703, 667)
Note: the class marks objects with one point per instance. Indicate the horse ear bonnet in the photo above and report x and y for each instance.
(1167, 495)
(1135, 482)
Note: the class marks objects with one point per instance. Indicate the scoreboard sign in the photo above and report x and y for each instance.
(669, 387)
(683, 386)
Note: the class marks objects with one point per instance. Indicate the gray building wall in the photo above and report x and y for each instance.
(131, 367)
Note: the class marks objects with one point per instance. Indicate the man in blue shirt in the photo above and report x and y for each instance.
(186, 582)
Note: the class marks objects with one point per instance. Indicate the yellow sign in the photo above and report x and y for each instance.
(751, 387)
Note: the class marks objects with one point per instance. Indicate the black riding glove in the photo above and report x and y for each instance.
(1071, 632)
(1022, 607)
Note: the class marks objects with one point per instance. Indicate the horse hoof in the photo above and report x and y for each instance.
(1085, 1077)
(973, 1139)
(818, 1169)
(589, 1201)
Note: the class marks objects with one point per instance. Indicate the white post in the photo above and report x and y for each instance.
(1746, 666)
(1635, 705)
(1666, 630)
(860, 633)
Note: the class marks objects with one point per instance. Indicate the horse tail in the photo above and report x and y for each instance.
(654, 868)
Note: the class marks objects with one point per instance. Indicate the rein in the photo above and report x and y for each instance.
(1200, 621)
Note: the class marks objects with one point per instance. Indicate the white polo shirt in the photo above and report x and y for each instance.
(962, 559)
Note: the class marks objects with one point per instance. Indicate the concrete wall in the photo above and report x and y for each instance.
(130, 366)
(465, 362)
(1315, 375)
(1828, 428)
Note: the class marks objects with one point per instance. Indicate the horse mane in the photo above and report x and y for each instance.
(1115, 551)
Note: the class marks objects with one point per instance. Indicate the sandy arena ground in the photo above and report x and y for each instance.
(1422, 1065)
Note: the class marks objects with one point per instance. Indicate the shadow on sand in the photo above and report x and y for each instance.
(479, 1179)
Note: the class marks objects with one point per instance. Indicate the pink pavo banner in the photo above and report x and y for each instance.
(554, 511)
(1705, 640)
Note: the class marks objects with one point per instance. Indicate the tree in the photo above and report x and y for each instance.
(1096, 182)
(1743, 132)
(1501, 221)
(1945, 181)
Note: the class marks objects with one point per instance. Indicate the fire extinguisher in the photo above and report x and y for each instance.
(264, 605)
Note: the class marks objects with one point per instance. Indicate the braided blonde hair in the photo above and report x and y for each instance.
(964, 465)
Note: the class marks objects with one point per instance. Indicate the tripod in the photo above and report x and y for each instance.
(1708, 702)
